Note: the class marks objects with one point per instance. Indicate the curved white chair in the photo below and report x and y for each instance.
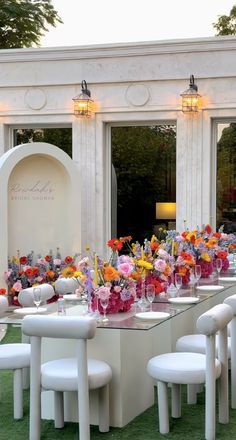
(197, 343)
(71, 374)
(196, 368)
(16, 357)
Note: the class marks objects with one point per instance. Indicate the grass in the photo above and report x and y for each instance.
(144, 427)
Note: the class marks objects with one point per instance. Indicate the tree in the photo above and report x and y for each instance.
(24, 22)
(226, 24)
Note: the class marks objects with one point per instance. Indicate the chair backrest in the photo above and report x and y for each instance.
(215, 319)
(231, 301)
(69, 327)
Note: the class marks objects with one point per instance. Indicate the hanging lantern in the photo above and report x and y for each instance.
(83, 104)
(190, 98)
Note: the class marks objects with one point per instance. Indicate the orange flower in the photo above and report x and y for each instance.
(35, 270)
(115, 244)
(211, 242)
(128, 238)
(68, 272)
(29, 272)
(187, 258)
(182, 270)
(50, 274)
(110, 274)
(68, 259)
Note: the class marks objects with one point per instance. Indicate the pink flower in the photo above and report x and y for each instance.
(42, 261)
(160, 265)
(7, 274)
(117, 289)
(125, 259)
(163, 254)
(104, 292)
(82, 263)
(57, 261)
(17, 286)
(125, 268)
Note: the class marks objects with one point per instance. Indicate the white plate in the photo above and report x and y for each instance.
(71, 297)
(228, 279)
(210, 288)
(184, 300)
(152, 316)
(29, 310)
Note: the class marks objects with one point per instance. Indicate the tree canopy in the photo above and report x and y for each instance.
(24, 22)
(226, 24)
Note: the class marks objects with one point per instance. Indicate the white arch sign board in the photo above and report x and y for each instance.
(40, 202)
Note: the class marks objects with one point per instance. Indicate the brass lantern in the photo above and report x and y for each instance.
(83, 104)
(190, 98)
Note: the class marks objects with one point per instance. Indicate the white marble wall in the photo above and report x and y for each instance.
(130, 83)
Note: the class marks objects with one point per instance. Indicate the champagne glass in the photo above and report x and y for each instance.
(37, 296)
(104, 304)
(178, 282)
(150, 294)
(218, 265)
(198, 272)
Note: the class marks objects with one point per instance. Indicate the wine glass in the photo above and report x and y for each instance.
(150, 292)
(104, 304)
(178, 282)
(218, 265)
(198, 272)
(37, 296)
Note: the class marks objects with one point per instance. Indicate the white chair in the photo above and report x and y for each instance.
(197, 343)
(16, 357)
(196, 368)
(76, 374)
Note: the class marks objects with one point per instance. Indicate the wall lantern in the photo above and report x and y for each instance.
(190, 98)
(166, 211)
(83, 104)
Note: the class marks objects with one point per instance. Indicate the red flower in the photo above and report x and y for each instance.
(217, 235)
(2, 291)
(23, 260)
(35, 270)
(115, 244)
(48, 258)
(208, 229)
(222, 255)
(29, 272)
(68, 259)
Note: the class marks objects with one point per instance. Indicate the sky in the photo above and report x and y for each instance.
(90, 22)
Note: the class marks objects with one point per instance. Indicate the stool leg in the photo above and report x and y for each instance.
(26, 378)
(104, 408)
(162, 397)
(176, 400)
(18, 394)
(191, 394)
(58, 409)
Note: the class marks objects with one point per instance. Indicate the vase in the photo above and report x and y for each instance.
(3, 304)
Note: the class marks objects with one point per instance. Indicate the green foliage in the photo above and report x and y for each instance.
(226, 24)
(61, 137)
(24, 22)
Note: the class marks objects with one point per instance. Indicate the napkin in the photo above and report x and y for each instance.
(26, 298)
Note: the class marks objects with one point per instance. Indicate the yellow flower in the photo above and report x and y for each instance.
(144, 264)
(205, 257)
(77, 274)
(153, 239)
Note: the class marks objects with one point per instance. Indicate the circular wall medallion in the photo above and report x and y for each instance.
(137, 94)
(35, 98)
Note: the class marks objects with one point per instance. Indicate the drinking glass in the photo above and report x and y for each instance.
(150, 294)
(104, 304)
(218, 265)
(198, 272)
(37, 296)
(178, 282)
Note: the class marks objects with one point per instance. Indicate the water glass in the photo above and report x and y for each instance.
(218, 265)
(198, 272)
(61, 307)
(37, 296)
(104, 304)
(178, 282)
(150, 293)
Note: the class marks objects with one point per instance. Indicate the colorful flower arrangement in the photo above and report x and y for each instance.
(25, 271)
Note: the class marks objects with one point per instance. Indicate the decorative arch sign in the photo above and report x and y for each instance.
(39, 202)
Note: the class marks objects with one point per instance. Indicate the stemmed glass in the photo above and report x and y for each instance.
(178, 282)
(218, 265)
(96, 313)
(37, 296)
(198, 272)
(150, 292)
(104, 304)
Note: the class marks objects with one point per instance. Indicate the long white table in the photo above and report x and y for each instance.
(127, 344)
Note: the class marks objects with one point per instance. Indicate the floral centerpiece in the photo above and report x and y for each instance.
(26, 271)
